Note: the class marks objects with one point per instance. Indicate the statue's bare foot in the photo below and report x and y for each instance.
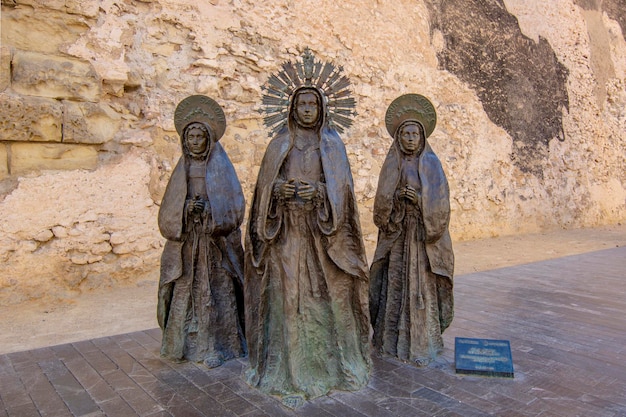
(422, 362)
(213, 361)
(293, 401)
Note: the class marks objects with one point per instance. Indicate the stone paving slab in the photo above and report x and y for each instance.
(564, 318)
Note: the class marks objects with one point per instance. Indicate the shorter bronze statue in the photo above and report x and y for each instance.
(411, 301)
(200, 304)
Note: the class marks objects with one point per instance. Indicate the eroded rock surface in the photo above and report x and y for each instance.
(530, 98)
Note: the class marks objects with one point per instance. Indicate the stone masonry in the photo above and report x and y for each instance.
(530, 98)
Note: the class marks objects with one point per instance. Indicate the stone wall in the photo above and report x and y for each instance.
(529, 94)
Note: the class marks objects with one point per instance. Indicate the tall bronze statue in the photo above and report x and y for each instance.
(306, 273)
(411, 301)
(200, 305)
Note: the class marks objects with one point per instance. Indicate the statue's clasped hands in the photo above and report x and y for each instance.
(297, 188)
(409, 193)
(196, 205)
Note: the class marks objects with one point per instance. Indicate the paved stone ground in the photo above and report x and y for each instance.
(564, 318)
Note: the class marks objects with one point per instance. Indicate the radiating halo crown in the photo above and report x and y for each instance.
(325, 77)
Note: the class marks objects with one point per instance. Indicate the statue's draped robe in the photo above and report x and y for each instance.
(306, 275)
(200, 304)
(411, 301)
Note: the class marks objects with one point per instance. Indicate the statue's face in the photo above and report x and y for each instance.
(307, 109)
(196, 141)
(411, 138)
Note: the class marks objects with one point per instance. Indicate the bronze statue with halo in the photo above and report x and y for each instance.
(411, 300)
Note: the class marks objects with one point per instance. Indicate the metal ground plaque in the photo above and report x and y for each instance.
(484, 357)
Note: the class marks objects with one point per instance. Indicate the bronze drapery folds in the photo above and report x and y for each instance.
(200, 300)
(411, 300)
(305, 271)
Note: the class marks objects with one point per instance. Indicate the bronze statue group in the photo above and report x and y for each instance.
(301, 300)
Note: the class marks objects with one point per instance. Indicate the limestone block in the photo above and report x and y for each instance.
(88, 8)
(54, 76)
(87, 233)
(27, 157)
(123, 249)
(117, 238)
(140, 138)
(131, 262)
(89, 123)
(5, 68)
(59, 232)
(79, 258)
(44, 236)
(43, 30)
(4, 162)
(31, 119)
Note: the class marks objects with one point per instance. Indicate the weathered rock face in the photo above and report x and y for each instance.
(530, 99)
(520, 82)
(77, 229)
